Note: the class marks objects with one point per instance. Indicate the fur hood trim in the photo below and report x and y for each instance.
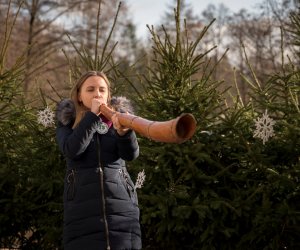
(65, 112)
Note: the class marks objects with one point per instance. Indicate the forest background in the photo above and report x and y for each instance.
(223, 189)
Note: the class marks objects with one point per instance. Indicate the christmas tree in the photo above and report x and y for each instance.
(235, 184)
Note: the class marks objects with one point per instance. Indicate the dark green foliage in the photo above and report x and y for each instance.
(223, 189)
(31, 184)
(31, 168)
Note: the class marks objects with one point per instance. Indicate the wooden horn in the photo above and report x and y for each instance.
(177, 130)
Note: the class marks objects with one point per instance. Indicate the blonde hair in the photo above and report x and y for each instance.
(79, 108)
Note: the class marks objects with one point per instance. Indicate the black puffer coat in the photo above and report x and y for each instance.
(100, 201)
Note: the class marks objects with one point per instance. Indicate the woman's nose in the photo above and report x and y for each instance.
(97, 94)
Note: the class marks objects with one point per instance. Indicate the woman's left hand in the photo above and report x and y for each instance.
(121, 130)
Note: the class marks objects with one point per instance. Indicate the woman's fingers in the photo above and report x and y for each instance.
(117, 125)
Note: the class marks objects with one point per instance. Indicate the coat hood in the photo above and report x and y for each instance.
(65, 112)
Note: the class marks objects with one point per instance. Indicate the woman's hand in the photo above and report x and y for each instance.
(96, 103)
(121, 130)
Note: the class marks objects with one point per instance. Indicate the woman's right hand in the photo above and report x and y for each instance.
(96, 103)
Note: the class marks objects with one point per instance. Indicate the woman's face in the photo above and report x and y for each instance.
(93, 87)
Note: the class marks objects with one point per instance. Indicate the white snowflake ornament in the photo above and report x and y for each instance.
(46, 117)
(140, 179)
(264, 127)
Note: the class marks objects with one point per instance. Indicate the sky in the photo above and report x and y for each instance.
(151, 11)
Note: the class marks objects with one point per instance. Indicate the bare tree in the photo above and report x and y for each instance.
(256, 40)
(217, 34)
(41, 35)
(42, 27)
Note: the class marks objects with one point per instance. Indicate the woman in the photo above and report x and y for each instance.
(100, 202)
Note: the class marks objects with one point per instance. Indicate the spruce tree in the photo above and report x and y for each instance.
(225, 188)
(30, 166)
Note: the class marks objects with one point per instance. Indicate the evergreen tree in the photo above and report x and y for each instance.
(224, 188)
(30, 166)
(231, 186)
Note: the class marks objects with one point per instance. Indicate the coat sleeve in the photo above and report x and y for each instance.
(128, 146)
(73, 142)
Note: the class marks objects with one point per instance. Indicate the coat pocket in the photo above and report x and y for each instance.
(71, 179)
(129, 186)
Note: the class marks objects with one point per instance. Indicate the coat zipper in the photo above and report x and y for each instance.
(101, 175)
